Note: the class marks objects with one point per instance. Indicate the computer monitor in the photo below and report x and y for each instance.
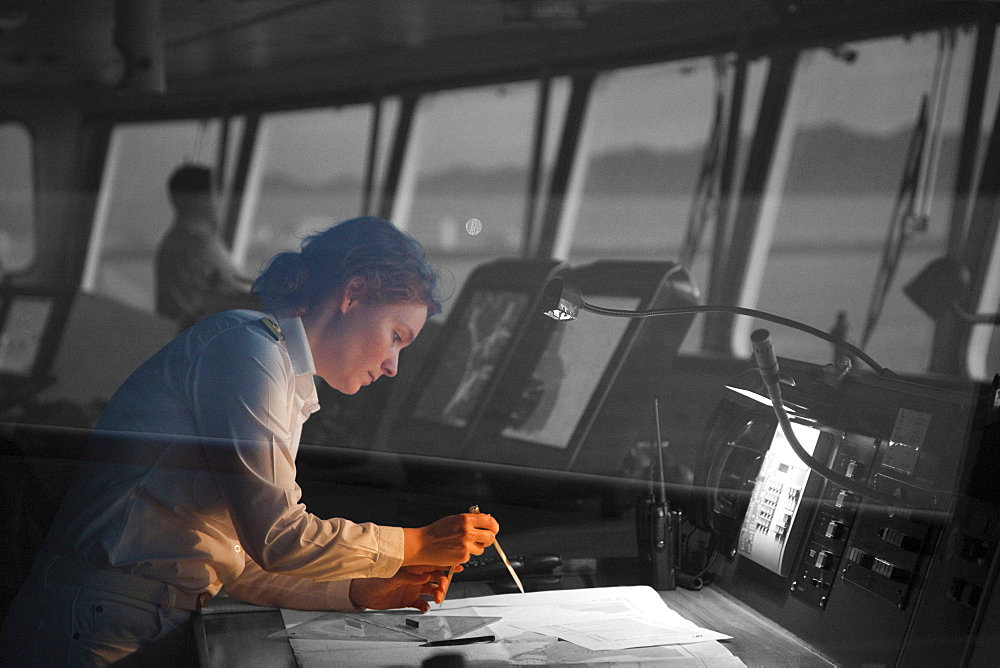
(30, 325)
(772, 526)
(579, 389)
(493, 310)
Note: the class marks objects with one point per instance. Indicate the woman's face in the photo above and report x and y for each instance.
(353, 342)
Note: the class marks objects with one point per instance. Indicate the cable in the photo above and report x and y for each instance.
(762, 315)
(767, 362)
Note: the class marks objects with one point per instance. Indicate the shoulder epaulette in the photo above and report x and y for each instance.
(272, 328)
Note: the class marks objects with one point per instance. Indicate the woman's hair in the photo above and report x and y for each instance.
(390, 261)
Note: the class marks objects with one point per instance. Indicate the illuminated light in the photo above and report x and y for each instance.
(759, 398)
(561, 300)
(473, 226)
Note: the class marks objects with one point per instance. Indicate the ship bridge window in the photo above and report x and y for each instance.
(853, 211)
(465, 194)
(309, 172)
(645, 145)
(134, 212)
(17, 200)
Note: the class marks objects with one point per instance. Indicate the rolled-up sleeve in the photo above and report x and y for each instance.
(243, 390)
(255, 585)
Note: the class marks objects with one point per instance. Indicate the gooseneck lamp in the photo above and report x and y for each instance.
(563, 301)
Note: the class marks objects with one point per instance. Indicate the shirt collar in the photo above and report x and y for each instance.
(297, 345)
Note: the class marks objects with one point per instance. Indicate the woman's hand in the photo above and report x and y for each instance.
(405, 589)
(449, 541)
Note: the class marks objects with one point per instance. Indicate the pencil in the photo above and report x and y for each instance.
(503, 557)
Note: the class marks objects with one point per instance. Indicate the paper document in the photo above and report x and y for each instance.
(626, 633)
(606, 625)
(604, 618)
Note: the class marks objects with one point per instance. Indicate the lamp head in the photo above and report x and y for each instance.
(561, 300)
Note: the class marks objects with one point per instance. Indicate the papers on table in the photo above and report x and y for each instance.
(600, 625)
(607, 618)
(625, 633)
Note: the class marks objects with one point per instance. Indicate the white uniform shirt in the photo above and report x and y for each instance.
(190, 476)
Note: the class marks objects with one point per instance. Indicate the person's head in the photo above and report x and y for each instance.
(190, 186)
(363, 289)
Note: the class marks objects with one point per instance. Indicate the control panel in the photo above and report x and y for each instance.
(835, 517)
(896, 564)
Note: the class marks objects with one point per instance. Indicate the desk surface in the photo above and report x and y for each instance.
(241, 638)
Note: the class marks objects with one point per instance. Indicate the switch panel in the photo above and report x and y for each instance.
(815, 575)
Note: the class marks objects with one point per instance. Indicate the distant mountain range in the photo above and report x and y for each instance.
(829, 160)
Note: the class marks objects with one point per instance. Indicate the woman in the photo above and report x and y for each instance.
(189, 486)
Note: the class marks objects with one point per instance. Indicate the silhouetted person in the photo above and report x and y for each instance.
(194, 273)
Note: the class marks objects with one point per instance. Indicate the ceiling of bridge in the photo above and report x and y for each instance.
(256, 49)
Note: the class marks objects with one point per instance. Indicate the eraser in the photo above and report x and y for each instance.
(354, 626)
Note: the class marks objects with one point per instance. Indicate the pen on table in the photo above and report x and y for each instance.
(459, 641)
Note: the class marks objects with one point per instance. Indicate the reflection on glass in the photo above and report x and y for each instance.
(137, 212)
(21, 335)
(17, 199)
(468, 363)
(560, 388)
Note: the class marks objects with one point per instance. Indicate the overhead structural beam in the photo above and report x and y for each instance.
(659, 32)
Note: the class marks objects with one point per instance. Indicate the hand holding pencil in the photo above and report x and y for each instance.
(449, 540)
(503, 557)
